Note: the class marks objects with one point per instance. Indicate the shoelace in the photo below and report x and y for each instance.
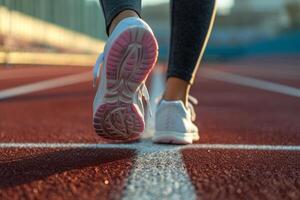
(142, 91)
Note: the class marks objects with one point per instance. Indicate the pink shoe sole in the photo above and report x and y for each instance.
(129, 62)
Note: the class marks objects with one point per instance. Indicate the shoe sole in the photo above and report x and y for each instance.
(170, 137)
(129, 62)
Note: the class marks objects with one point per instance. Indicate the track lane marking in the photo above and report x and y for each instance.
(31, 74)
(45, 85)
(158, 173)
(147, 145)
(250, 82)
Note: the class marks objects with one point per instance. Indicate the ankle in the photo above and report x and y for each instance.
(172, 97)
(176, 89)
(122, 15)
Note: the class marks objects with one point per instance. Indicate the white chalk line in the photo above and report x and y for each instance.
(147, 145)
(250, 82)
(158, 173)
(45, 85)
(25, 74)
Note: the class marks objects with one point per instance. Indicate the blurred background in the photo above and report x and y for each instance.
(52, 28)
(242, 28)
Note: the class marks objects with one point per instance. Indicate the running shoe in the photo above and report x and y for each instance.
(130, 54)
(174, 122)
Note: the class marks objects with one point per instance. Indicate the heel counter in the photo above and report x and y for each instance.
(170, 118)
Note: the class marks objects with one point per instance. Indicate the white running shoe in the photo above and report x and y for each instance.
(174, 122)
(129, 55)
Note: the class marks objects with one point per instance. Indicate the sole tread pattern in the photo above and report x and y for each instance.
(130, 60)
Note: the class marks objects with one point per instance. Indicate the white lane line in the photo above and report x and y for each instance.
(45, 85)
(11, 74)
(146, 145)
(65, 145)
(245, 147)
(250, 82)
(24, 75)
(158, 173)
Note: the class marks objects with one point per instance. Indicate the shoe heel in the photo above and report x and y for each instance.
(118, 121)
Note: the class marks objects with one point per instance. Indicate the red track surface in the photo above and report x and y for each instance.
(230, 113)
(236, 174)
(227, 114)
(64, 174)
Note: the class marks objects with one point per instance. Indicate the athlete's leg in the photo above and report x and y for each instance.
(191, 23)
(116, 10)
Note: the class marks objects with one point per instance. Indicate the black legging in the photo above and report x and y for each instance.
(191, 21)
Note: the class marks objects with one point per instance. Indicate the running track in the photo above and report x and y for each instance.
(248, 113)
